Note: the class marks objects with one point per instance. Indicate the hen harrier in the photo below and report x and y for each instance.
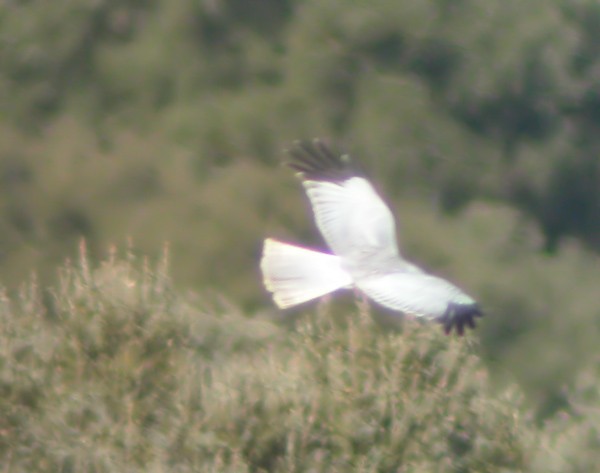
(360, 231)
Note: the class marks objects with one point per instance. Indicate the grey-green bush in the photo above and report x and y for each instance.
(113, 371)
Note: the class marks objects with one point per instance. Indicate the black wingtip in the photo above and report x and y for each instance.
(315, 160)
(460, 316)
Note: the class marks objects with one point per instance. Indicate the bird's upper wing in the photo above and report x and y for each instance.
(356, 224)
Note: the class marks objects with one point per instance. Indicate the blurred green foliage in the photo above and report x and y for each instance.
(165, 121)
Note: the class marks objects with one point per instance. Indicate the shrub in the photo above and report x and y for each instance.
(113, 371)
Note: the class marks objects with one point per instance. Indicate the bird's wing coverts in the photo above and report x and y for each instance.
(355, 222)
(425, 296)
(414, 293)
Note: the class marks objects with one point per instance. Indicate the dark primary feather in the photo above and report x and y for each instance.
(317, 162)
(460, 315)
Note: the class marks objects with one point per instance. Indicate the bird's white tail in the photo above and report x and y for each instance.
(295, 274)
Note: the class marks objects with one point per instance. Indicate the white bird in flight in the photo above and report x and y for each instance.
(359, 229)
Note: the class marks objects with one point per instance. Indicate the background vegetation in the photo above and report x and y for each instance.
(165, 121)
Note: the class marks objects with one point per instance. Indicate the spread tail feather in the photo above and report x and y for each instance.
(294, 274)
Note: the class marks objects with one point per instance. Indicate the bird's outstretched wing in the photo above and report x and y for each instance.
(355, 222)
(423, 295)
